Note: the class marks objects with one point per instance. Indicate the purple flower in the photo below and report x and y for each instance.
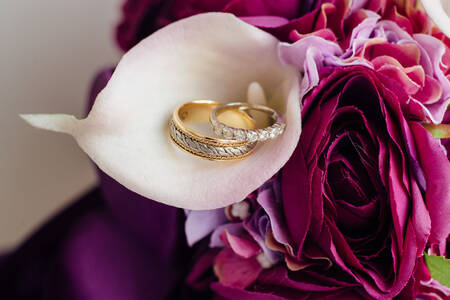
(366, 188)
(363, 196)
(418, 63)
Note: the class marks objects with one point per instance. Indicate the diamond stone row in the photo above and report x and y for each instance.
(249, 135)
(205, 150)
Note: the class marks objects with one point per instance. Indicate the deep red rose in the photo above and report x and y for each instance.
(362, 197)
(375, 193)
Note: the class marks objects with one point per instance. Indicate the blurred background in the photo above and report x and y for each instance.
(50, 51)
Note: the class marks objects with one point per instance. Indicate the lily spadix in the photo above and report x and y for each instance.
(211, 56)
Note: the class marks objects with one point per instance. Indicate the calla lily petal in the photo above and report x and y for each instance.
(208, 56)
(437, 13)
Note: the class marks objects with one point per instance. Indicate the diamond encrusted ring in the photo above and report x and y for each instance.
(276, 127)
(206, 146)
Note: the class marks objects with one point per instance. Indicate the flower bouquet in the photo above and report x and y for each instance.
(345, 194)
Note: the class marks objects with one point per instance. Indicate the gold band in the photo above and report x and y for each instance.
(204, 145)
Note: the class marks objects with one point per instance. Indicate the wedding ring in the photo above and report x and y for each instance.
(203, 145)
(229, 131)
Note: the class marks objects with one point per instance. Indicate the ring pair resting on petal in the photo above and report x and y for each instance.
(213, 56)
(232, 123)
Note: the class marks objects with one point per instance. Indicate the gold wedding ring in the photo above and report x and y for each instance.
(207, 146)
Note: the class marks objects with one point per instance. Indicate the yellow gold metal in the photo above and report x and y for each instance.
(206, 146)
(199, 111)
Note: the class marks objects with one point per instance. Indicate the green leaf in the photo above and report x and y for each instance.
(439, 268)
(439, 131)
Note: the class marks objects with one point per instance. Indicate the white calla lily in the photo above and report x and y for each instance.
(437, 13)
(212, 56)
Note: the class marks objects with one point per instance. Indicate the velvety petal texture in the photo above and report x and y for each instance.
(311, 53)
(416, 62)
(352, 211)
(140, 18)
(212, 56)
(366, 208)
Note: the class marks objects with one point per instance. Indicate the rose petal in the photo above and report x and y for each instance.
(237, 293)
(208, 56)
(287, 9)
(233, 228)
(398, 74)
(273, 208)
(433, 52)
(243, 247)
(310, 54)
(431, 91)
(257, 226)
(235, 271)
(436, 168)
(325, 34)
(202, 222)
(266, 21)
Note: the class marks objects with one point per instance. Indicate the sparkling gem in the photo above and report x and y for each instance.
(227, 133)
(218, 130)
(252, 136)
(239, 135)
(263, 135)
(274, 131)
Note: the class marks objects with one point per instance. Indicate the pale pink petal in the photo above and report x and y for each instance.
(200, 223)
(208, 56)
(431, 91)
(235, 271)
(233, 228)
(243, 247)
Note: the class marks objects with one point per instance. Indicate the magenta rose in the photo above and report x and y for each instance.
(286, 19)
(349, 216)
(446, 142)
(367, 189)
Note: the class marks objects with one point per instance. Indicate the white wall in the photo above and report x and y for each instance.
(49, 51)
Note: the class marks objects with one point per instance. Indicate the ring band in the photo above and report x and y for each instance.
(203, 145)
(249, 135)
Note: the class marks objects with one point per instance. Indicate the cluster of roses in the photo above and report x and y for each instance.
(367, 189)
